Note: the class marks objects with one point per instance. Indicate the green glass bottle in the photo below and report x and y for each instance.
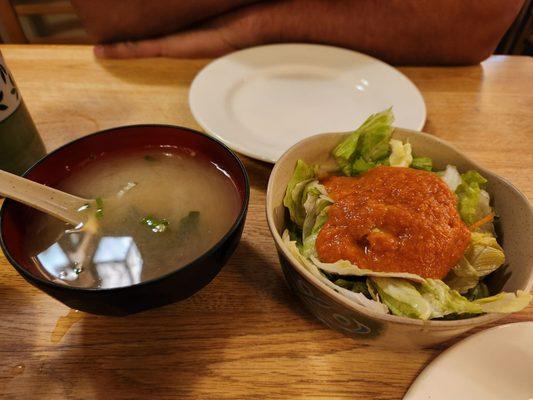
(20, 143)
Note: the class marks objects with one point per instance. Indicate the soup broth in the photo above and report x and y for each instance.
(155, 212)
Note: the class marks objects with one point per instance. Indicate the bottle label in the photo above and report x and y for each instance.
(9, 94)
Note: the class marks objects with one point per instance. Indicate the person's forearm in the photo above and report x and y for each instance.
(398, 31)
(108, 21)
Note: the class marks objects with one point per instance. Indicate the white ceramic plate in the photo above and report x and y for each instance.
(260, 101)
(494, 364)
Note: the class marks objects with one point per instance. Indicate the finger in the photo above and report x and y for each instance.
(205, 42)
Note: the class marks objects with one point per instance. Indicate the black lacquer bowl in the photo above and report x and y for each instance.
(175, 286)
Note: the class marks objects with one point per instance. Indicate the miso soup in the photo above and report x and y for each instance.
(156, 211)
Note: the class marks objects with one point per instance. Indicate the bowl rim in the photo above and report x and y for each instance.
(235, 226)
(328, 292)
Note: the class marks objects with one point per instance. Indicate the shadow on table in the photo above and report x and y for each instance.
(258, 172)
(157, 354)
(168, 352)
(267, 281)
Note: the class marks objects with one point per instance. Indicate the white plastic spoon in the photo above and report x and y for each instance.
(51, 201)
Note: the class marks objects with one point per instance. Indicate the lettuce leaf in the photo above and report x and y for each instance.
(346, 152)
(360, 165)
(427, 300)
(358, 298)
(434, 299)
(346, 268)
(343, 283)
(360, 286)
(473, 200)
(504, 302)
(400, 154)
(357, 286)
(420, 298)
(477, 292)
(368, 144)
(402, 297)
(401, 294)
(424, 163)
(375, 136)
(484, 209)
(316, 206)
(445, 301)
(451, 177)
(468, 194)
(302, 175)
(483, 256)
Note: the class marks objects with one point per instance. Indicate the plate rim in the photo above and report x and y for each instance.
(422, 376)
(256, 155)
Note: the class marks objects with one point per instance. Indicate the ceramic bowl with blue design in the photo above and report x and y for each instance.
(359, 322)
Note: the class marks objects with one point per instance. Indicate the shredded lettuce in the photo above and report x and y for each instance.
(400, 154)
(424, 163)
(484, 209)
(445, 301)
(302, 175)
(402, 297)
(468, 194)
(434, 299)
(462, 294)
(377, 131)
(346, 152)
(346, 268)
(473, 200)
(360, 286)
(360, 165)
(504, 302)
(477, 292)
(367, 146)
(343, 283)
(316, 205)
(451, 177)
(358, 298)
(483, 256)
(357, 286)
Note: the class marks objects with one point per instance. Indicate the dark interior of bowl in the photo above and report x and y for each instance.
(59, 164)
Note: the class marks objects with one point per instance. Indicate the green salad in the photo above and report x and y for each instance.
(462, 293)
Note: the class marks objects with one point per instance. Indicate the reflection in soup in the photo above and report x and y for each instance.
(155, 211)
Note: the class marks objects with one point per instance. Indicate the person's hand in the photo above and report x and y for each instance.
(220, 35)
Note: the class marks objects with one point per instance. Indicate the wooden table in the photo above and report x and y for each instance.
(244, 335)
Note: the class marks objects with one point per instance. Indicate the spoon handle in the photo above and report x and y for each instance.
(51, 201)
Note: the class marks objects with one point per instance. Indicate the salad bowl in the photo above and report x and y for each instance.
(340, 313)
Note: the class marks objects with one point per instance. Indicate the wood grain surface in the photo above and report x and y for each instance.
(244, 335)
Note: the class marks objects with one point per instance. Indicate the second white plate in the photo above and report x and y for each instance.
(494, 364)
(262, 100)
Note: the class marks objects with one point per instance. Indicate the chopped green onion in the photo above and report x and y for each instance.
(99, 208)
(155, 225)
